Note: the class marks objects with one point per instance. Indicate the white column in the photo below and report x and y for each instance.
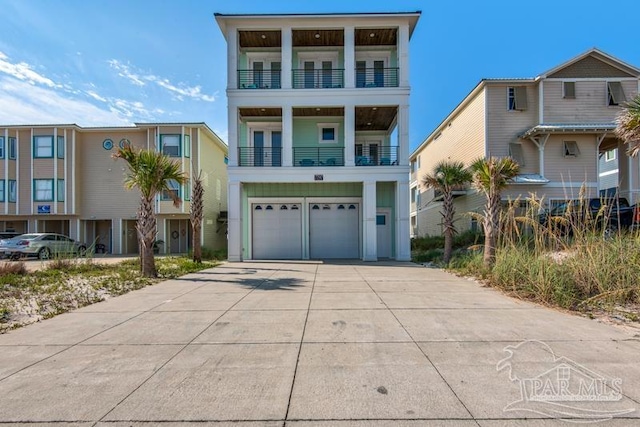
(287, 55)
(287, 136)
(349, 57)
(233, 136)
(403, 243)
(349, 135)
(403, 135)
(369, 231)
(403, 55)
(232, 58)
(234, 226)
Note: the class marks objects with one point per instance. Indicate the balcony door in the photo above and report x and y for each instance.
(264, 71)
(367, 152)
(318, 71)
(370, 71)
(267, 147)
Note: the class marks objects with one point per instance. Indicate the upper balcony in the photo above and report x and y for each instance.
(319, 137)
(318, 59)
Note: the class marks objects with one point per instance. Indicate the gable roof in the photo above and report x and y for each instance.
(592, 63)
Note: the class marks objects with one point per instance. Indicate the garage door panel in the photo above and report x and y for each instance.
(277, 231)
(334, 230)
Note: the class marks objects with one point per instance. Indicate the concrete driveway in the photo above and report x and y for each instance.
(330, 344)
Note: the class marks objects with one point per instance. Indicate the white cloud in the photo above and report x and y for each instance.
(179, 90)
(125, 71)
(95, 96)
(134, 110)
(23, 71)
(27, 104)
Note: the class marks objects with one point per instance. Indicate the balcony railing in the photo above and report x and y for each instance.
(376, 155)
(318, 79)
(368, 155)
(376, 77)
(318, 156)
(260, 156)
(259, 79)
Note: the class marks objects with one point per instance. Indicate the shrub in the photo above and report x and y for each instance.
(8, 268)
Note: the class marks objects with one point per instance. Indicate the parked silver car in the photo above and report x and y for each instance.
(42, 245)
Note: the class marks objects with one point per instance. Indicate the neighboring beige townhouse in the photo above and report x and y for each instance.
(556, 126)
(62, 178)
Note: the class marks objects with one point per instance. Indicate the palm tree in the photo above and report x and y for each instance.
(197, 206)
(151, 172)
(447, 176)
(490, 177)
(628, 125)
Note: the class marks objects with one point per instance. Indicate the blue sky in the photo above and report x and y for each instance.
(115, 62)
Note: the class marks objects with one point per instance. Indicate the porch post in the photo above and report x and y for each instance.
(369, 232)
(287, 53)
(235, 223)
(349, 57)
(233, 136)
(349, 135)
(287, 136)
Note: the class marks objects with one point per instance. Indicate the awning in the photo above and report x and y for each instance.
(584, 128)
(530, 178)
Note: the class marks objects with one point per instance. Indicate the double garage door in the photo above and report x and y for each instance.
(333, 230)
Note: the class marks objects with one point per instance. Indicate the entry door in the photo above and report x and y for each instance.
(383, 231)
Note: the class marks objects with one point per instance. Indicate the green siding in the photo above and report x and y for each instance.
(386, 198)
(306, 134)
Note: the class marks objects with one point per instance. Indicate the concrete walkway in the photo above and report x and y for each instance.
(329, 344)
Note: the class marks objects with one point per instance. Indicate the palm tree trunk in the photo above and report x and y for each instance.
(146, 228)
(197, 210)
(448, 212)
(492, 218)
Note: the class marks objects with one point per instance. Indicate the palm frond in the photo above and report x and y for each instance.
(628, 126)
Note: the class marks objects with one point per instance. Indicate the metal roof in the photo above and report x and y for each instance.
(567, 128)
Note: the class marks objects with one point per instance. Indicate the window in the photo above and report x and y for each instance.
(12, 190)
(43, 190)
(42, 146)
(172, 192)
(60, 147)
(187, 190)
(1, 147)
(328, 133)
(1, 190)
(516, 98)
(60, 190)
(615, 94)
(170, 145)
(516, 152)
(571, 149)
(12, 148)
(569, 90)
(226, 160)
(187, 145)
(610, 155)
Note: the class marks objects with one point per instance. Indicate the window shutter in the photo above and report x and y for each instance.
(570, 90)
(616, 93)
(516, 152)
(521, 98)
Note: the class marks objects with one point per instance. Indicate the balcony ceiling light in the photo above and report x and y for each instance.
(369, 124)
(263, 110)
(264, 36)
(372, 34)
(317, 109)
(375, 108)
(316, 35)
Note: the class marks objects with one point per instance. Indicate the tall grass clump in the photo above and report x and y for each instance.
(572, 260)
